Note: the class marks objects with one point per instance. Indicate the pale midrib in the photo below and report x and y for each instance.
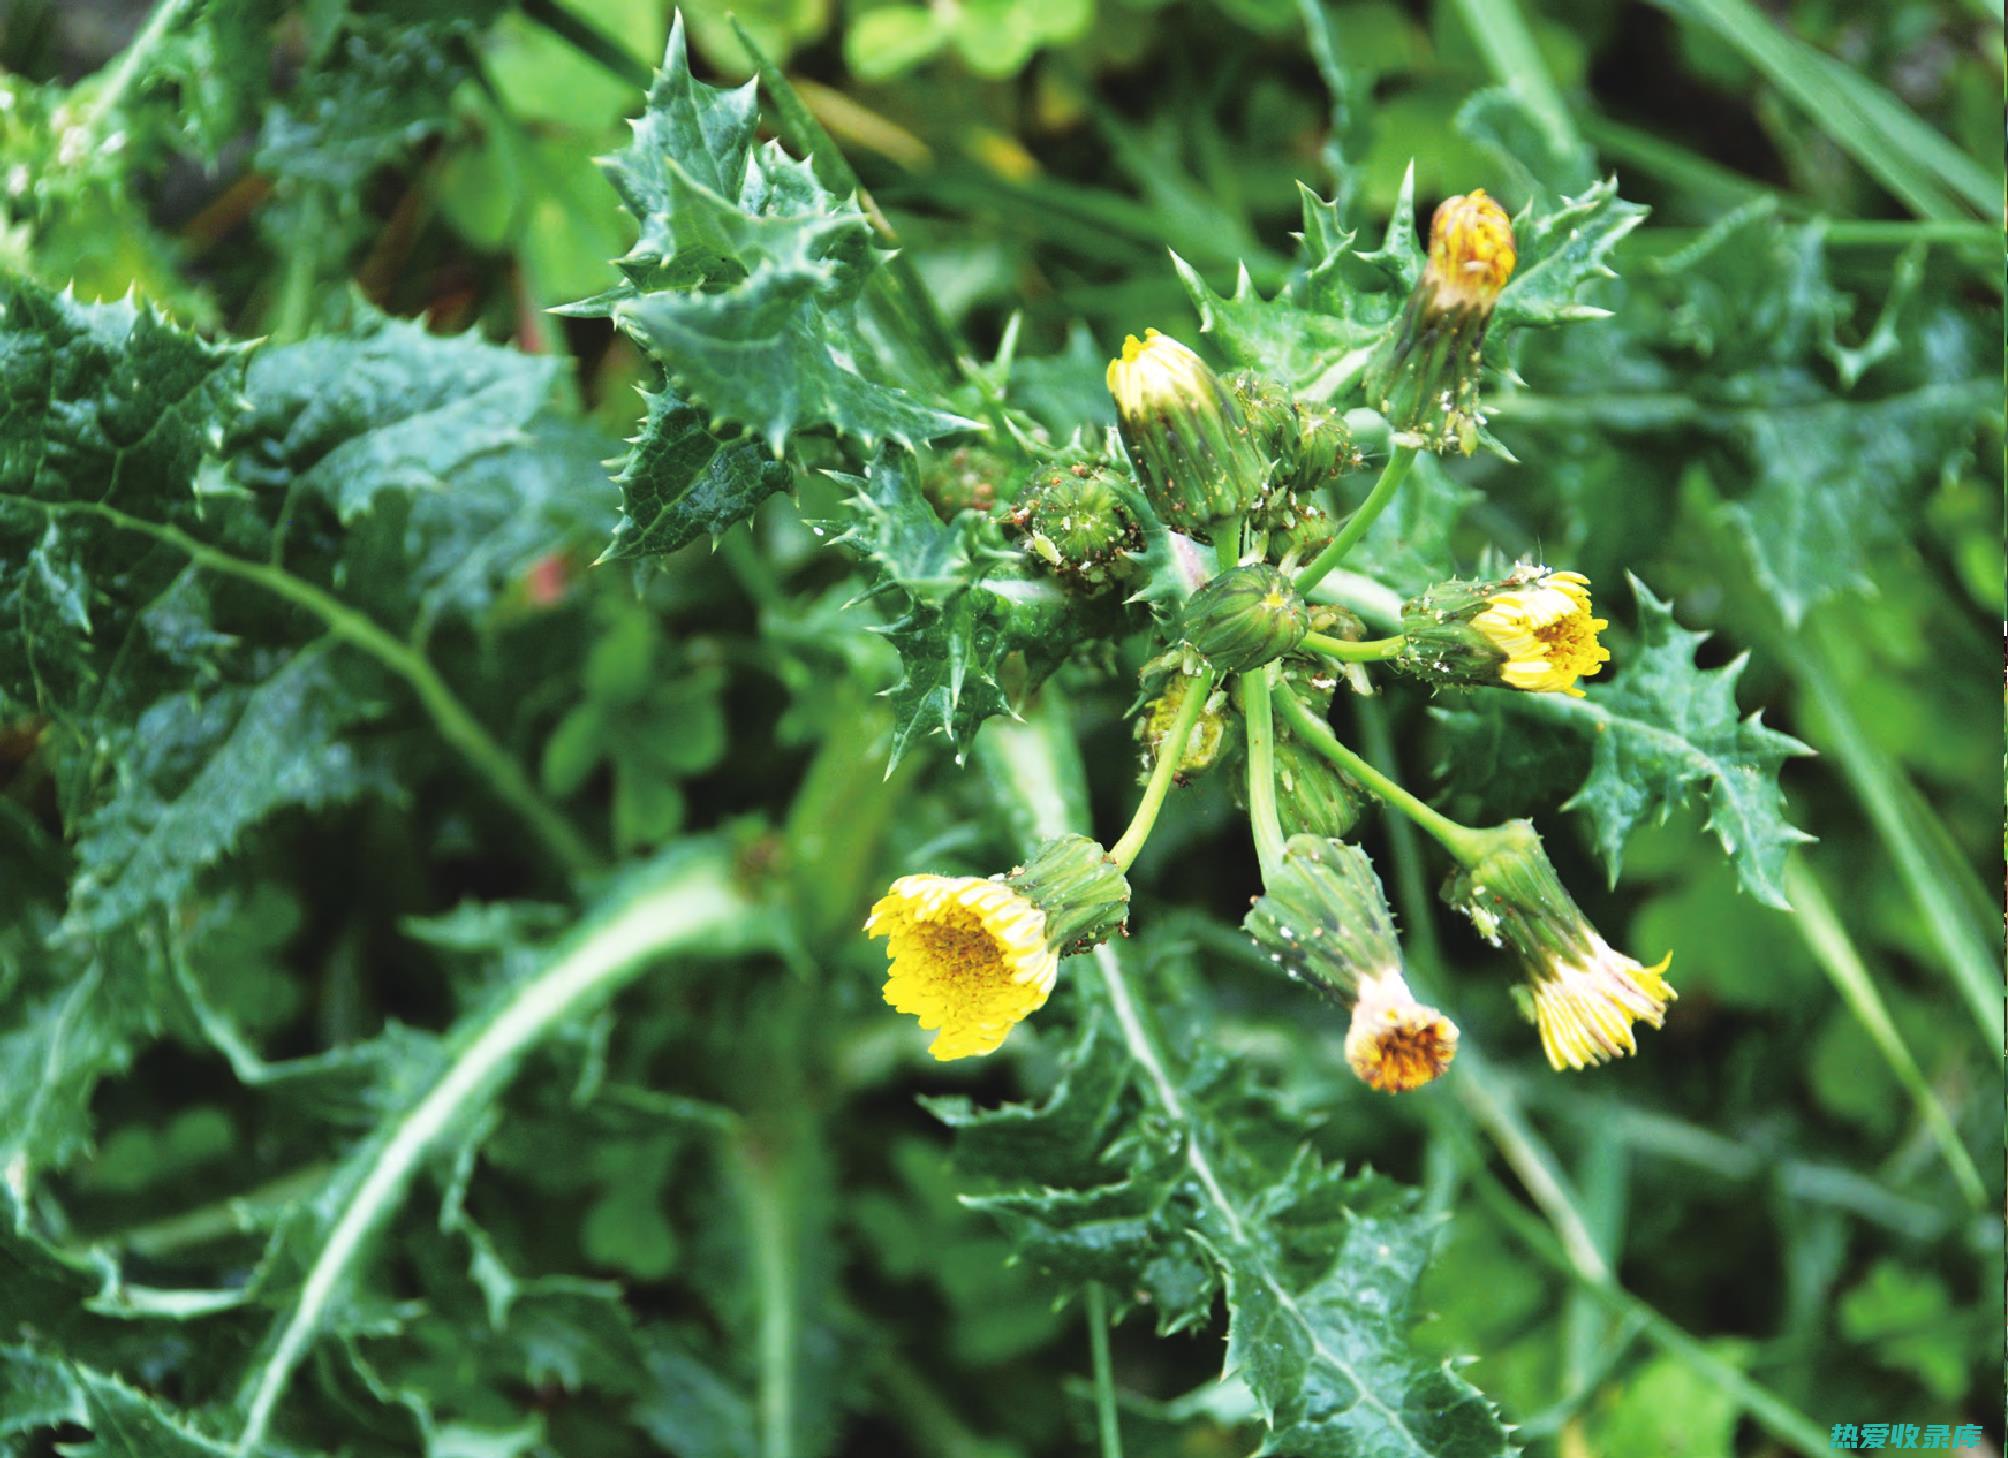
(693, 903)
(1144, 1051)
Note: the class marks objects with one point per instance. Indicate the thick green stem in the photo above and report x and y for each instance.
(1465, 842)
(1374, 650)
(680, 900)
(132, 63)
(456, 725)
(1261, 727)
(1106, 1424)
(589, 41)
(1836, 952)
(763, 1195)
(1170, 754)
(1391, 477)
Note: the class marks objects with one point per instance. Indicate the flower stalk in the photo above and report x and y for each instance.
(1391, 477)
(1259, 720)
(1467, 843)
(1374, 650)
(1170, 755)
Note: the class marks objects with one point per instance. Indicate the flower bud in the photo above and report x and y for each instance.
(1246, 617)
(1209, 731)
(1583, 993)
(1533, 630)
(965, 479)
(1424, 379)
(1314, 797)
(1194, 453)
(1083, 892)
(1076, 523)
(1322, 917)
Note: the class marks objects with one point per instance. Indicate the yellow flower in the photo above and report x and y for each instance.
(1584, 994)
(1153, 371)
(975, 957)
(969, 956)
(1396, 1044)
(1586, 1010)
(1471, 253)
(1547, 631)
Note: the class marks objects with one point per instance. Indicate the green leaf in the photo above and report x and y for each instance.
(1563, 251)
(1665, 727)
(1836, 480)
(385, 406)
(745, 281)
(681, 480)
(383, 88)
(1171, 1175)
(199, 773)
(972, 607)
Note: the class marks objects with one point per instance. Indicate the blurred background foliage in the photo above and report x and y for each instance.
(1775, 429)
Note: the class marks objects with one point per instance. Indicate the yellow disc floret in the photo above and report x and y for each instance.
(1396, 1044)
(1471, 253)
(969, 956)
(1547, 631)
(1586, 1010)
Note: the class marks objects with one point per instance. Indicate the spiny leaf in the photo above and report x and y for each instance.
(1834, 478)
(971, 606)
(745, 281)
(385, 406)
(1562, 252)
(198, 773)
(680, 480)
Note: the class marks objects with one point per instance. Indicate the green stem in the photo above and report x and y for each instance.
(590, 41)
(1356, 525)
(132, 61)
(1465, 842)
(1262, 816)
(760, 1183)
(679, 900)
(1374, 650)
(1170, 754)
(1836, 952)
(1106, 1424)
(1771, 1411)
(456, 725)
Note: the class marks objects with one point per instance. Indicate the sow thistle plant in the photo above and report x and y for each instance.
(246, 585)
(1224, 489)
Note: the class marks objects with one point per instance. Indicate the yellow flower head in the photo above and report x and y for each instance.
(1153, 371)
(1395, 1043)
(1586, 1010)
(969, 956)
(975, 957)
(1471, 254)
(1584, 994)
(1547, 629)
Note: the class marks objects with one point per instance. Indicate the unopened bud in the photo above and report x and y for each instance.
(1246, 617)
(1193, 450)
(1424, 379)
(1075, 522)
